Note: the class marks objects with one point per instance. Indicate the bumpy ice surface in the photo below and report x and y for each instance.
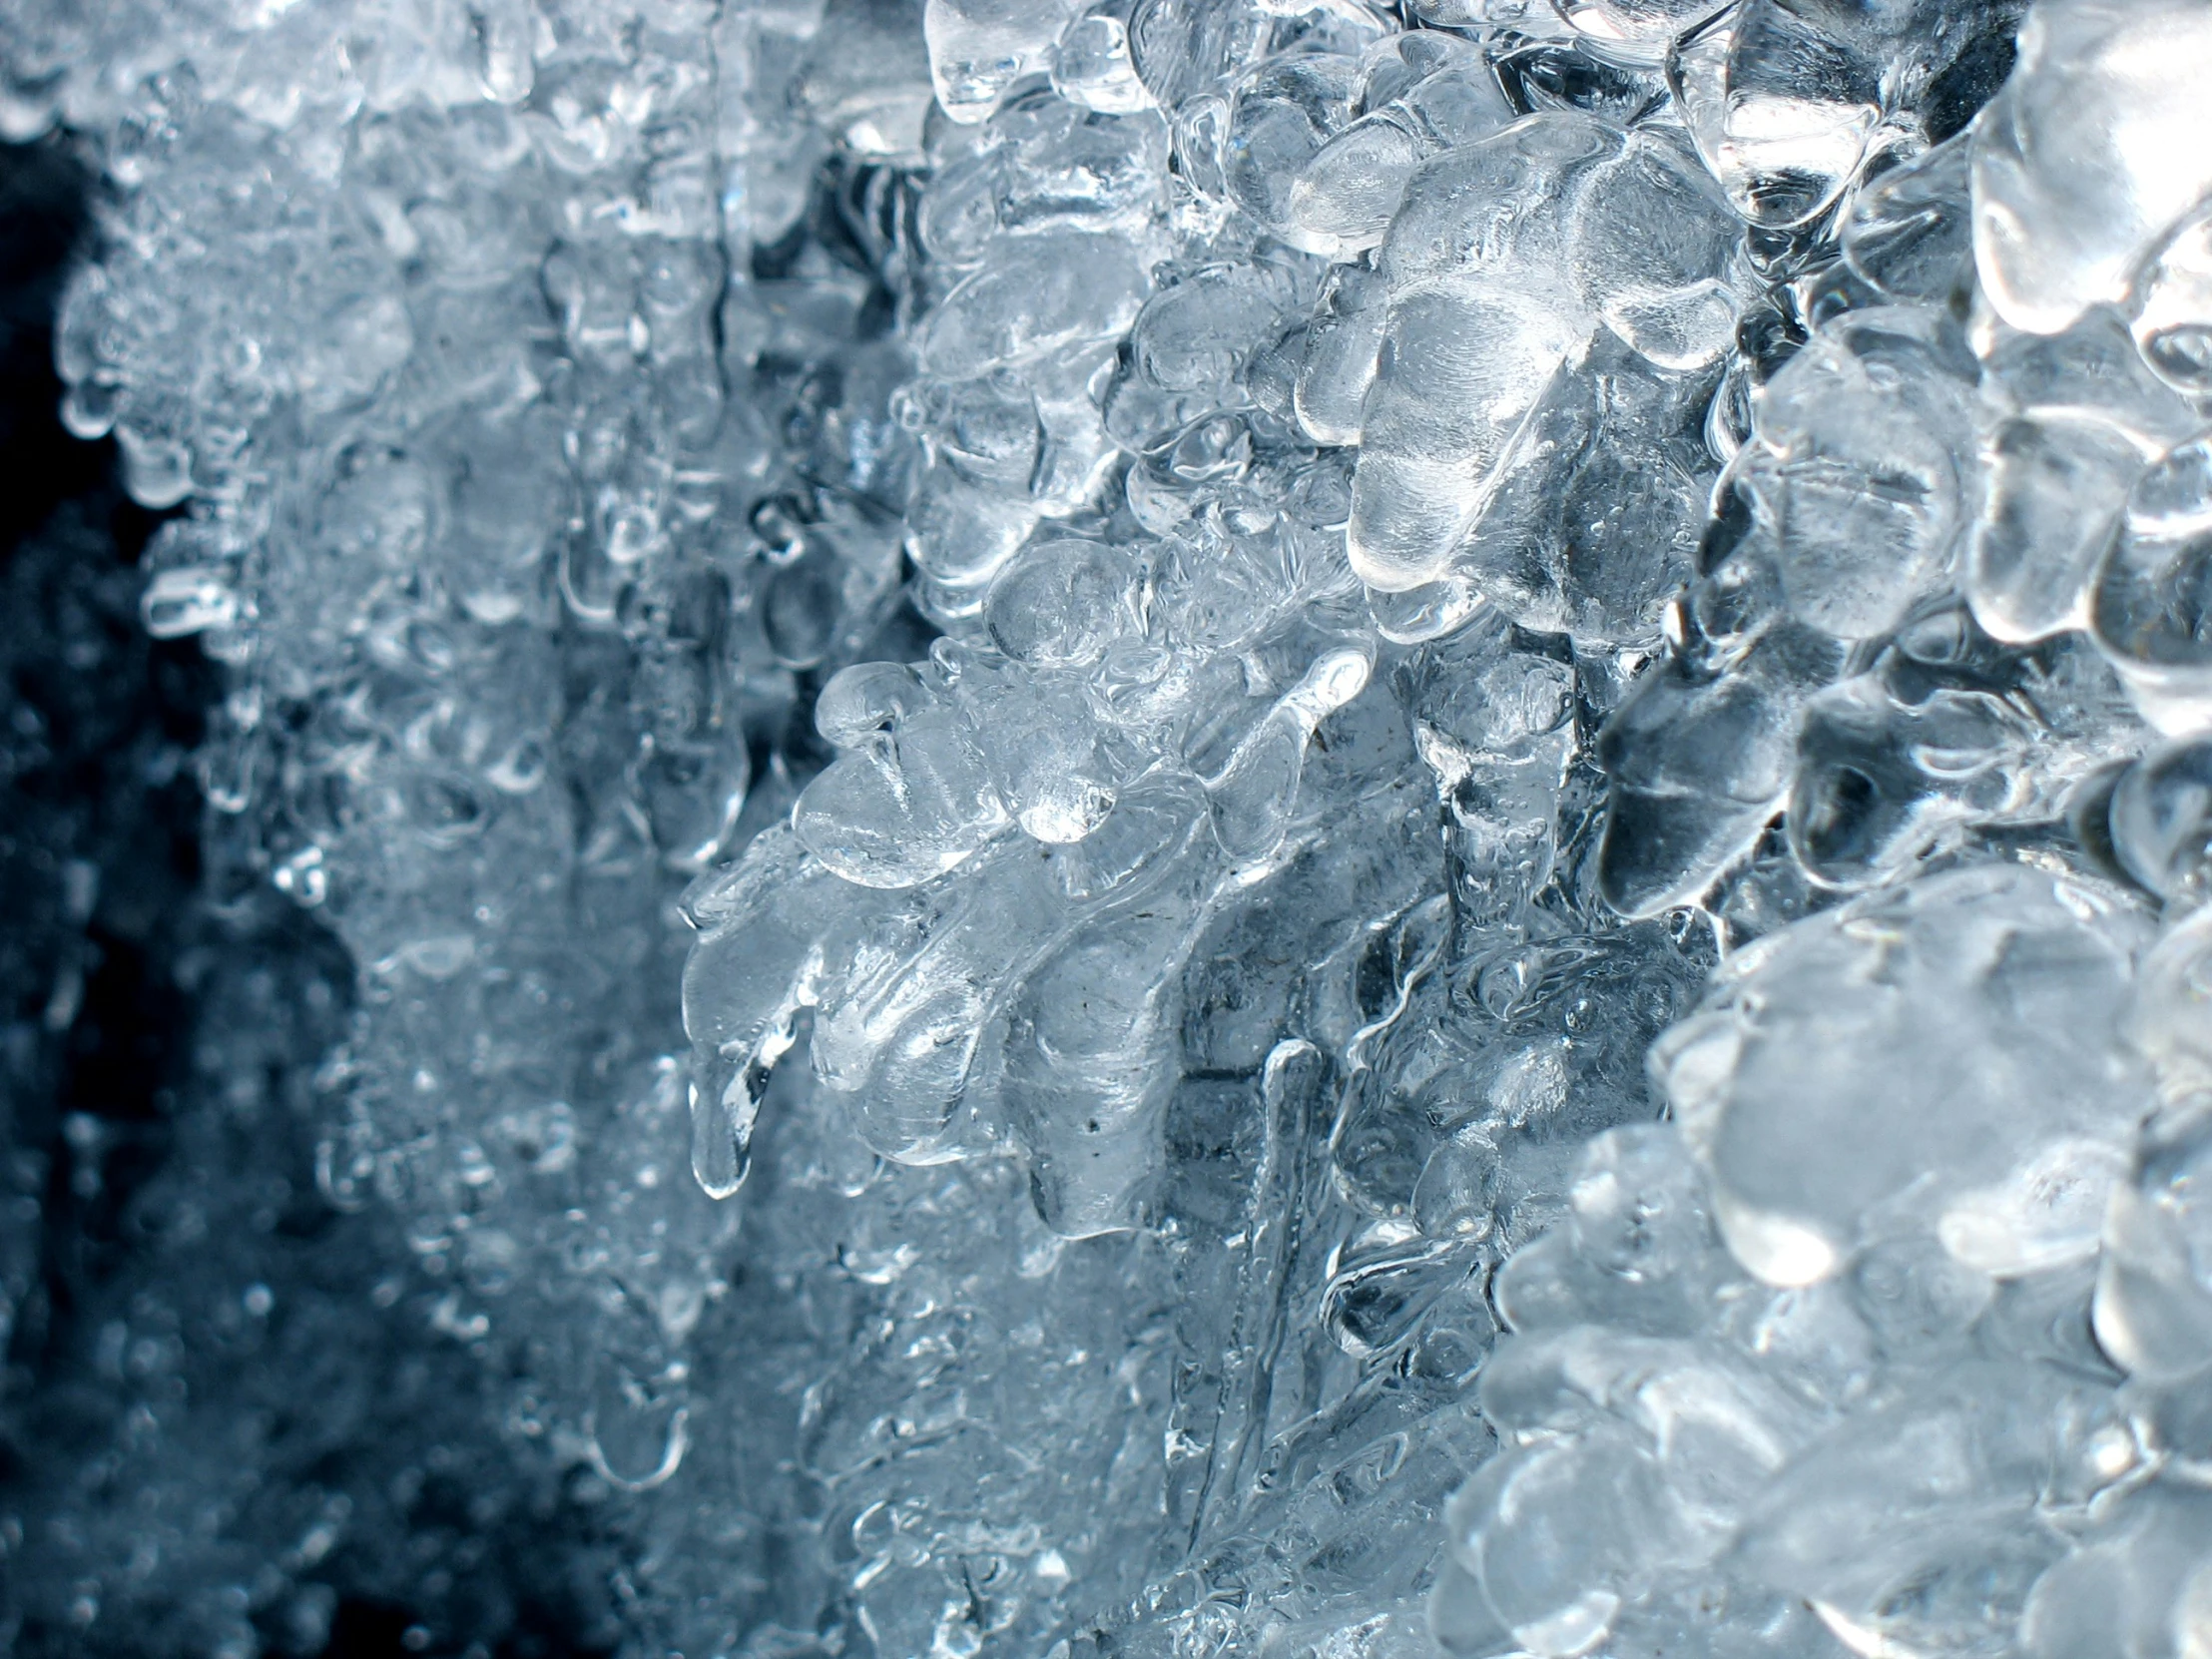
(1196, 827)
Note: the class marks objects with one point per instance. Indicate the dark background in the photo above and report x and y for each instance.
(164, 1013)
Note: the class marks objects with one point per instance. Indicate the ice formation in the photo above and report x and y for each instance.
(1213, 827)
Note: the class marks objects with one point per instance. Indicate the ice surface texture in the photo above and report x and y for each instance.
(1442, 771)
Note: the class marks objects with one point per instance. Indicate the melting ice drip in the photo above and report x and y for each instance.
(1445, 529)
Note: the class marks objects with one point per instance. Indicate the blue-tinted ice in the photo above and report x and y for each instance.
(1220, 826)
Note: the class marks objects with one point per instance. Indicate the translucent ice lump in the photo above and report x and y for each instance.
(1892, 1325)
(1229, 609)
(2085, 164)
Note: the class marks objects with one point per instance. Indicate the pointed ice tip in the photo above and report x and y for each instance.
(722, 1140)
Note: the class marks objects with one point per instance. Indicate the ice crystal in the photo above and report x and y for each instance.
(1215, 827)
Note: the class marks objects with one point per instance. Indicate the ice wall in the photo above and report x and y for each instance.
(1404, 805)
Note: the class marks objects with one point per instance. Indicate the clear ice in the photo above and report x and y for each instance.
(1185, 827)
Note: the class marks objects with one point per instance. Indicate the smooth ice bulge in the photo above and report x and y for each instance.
(1412, 799)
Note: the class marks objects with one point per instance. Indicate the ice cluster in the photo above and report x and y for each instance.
(1408, 808)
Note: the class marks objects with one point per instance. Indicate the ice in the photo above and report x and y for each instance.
(2158, 819)
(1780, 110)
(2156, 1275)
(1454, 426)
(1252, 797)
(2142, 607)
(1935, 1420)
(2088, 144)
(1319, 147)
(1701, 761)
(904, 805)
(2056, 485)
(1092, 64)
(1882, 781)
(1791, 1213)
(1856, 466)
(1411, 800)
(979, 49)
(1907, 236)
(1039, 296)
(1342, 344)
(2173, 307)
(1462, 365)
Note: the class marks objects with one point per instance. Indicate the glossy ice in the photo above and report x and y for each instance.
(1238, 614)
